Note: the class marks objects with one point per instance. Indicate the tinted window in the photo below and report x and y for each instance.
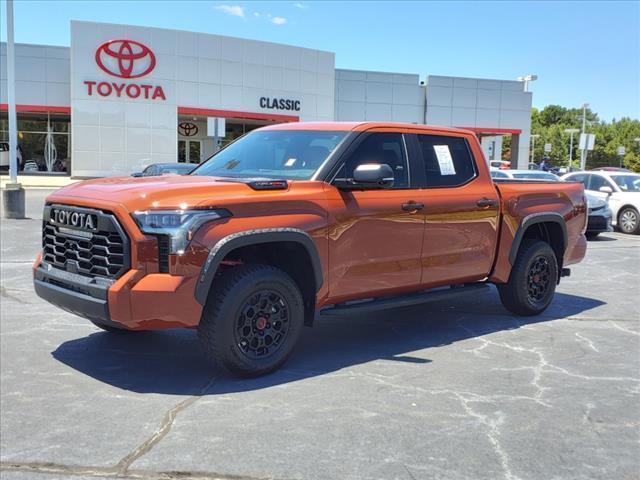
(447, 160)
(627, 183)
(579, 177)
(380, 148)
(597, 181)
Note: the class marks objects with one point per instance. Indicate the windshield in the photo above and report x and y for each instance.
(537, 176)
(286, 154)
(627, 183)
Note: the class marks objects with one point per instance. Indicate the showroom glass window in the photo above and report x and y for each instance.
(44, 142)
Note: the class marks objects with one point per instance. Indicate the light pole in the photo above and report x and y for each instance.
(583, 152)
(526, 79)
(13, 193)
(533, 146)
(571, 131)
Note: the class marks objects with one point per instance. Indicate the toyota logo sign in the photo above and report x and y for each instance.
(187, 129)
(125, 58)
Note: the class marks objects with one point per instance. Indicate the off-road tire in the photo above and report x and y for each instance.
(524, 294)
(632, 225)
(228, 300)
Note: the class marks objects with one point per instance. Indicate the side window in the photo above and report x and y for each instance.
(597, 181)
(447, 160)
(579, 177)
(380, 148)
(498, 174)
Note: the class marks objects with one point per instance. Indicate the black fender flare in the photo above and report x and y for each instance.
(533, 219)
(253, 237)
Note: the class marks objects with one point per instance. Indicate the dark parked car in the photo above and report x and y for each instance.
(164, 168)
(599, 216)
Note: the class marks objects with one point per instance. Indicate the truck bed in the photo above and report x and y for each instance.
(520, 199)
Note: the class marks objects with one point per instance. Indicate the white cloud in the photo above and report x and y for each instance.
(278, 20)
(301, 6)
(235, 10)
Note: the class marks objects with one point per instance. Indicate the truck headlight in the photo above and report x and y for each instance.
(179, 225)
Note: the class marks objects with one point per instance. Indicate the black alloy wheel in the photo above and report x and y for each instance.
(263, 324)
(538, 279)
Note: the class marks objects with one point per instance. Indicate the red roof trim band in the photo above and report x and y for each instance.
(208, 112)
(513, 131)
(37, 108)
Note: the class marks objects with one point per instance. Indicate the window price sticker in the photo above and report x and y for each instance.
(444, 160)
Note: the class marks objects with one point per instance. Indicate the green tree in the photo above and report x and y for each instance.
(550, 123)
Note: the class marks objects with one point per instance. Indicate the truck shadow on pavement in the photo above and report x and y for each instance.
(170, 362)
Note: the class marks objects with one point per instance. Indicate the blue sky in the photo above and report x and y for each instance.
(581, 51)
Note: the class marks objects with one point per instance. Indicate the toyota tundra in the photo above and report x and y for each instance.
(297, 221)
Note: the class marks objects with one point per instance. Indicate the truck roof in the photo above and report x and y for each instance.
(360, 126)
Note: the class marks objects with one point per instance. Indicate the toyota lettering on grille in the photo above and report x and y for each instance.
(71, 218)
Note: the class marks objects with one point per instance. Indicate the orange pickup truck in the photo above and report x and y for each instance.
(297, 220)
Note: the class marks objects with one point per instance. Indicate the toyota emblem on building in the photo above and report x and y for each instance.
(125, 58)
(187, 129)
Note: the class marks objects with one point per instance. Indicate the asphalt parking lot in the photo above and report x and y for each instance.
(444, 391)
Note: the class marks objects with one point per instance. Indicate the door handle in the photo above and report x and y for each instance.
(412, 206)
(486, 202)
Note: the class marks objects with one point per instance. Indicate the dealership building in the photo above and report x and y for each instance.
(122, 97)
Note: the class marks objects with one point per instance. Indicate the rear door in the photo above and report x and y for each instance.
(462, 211)
(375, 236)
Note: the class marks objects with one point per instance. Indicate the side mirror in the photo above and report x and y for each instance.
(373, 175)
(606, 189)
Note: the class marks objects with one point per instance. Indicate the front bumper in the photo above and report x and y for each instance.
(600, 221)
(82, 296)
(133, 302)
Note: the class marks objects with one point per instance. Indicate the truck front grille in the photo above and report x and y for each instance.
(164, 249)
(102, 252)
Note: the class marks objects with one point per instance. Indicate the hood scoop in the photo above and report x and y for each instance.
(258, 183)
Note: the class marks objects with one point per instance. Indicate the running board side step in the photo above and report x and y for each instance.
(384, 303)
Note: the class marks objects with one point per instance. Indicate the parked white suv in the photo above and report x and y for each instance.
(621, 189)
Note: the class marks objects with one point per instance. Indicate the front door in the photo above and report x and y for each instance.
(189, 151)
(375, 237)
(462, 211)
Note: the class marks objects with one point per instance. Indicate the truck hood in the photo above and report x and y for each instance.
(166, 191)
